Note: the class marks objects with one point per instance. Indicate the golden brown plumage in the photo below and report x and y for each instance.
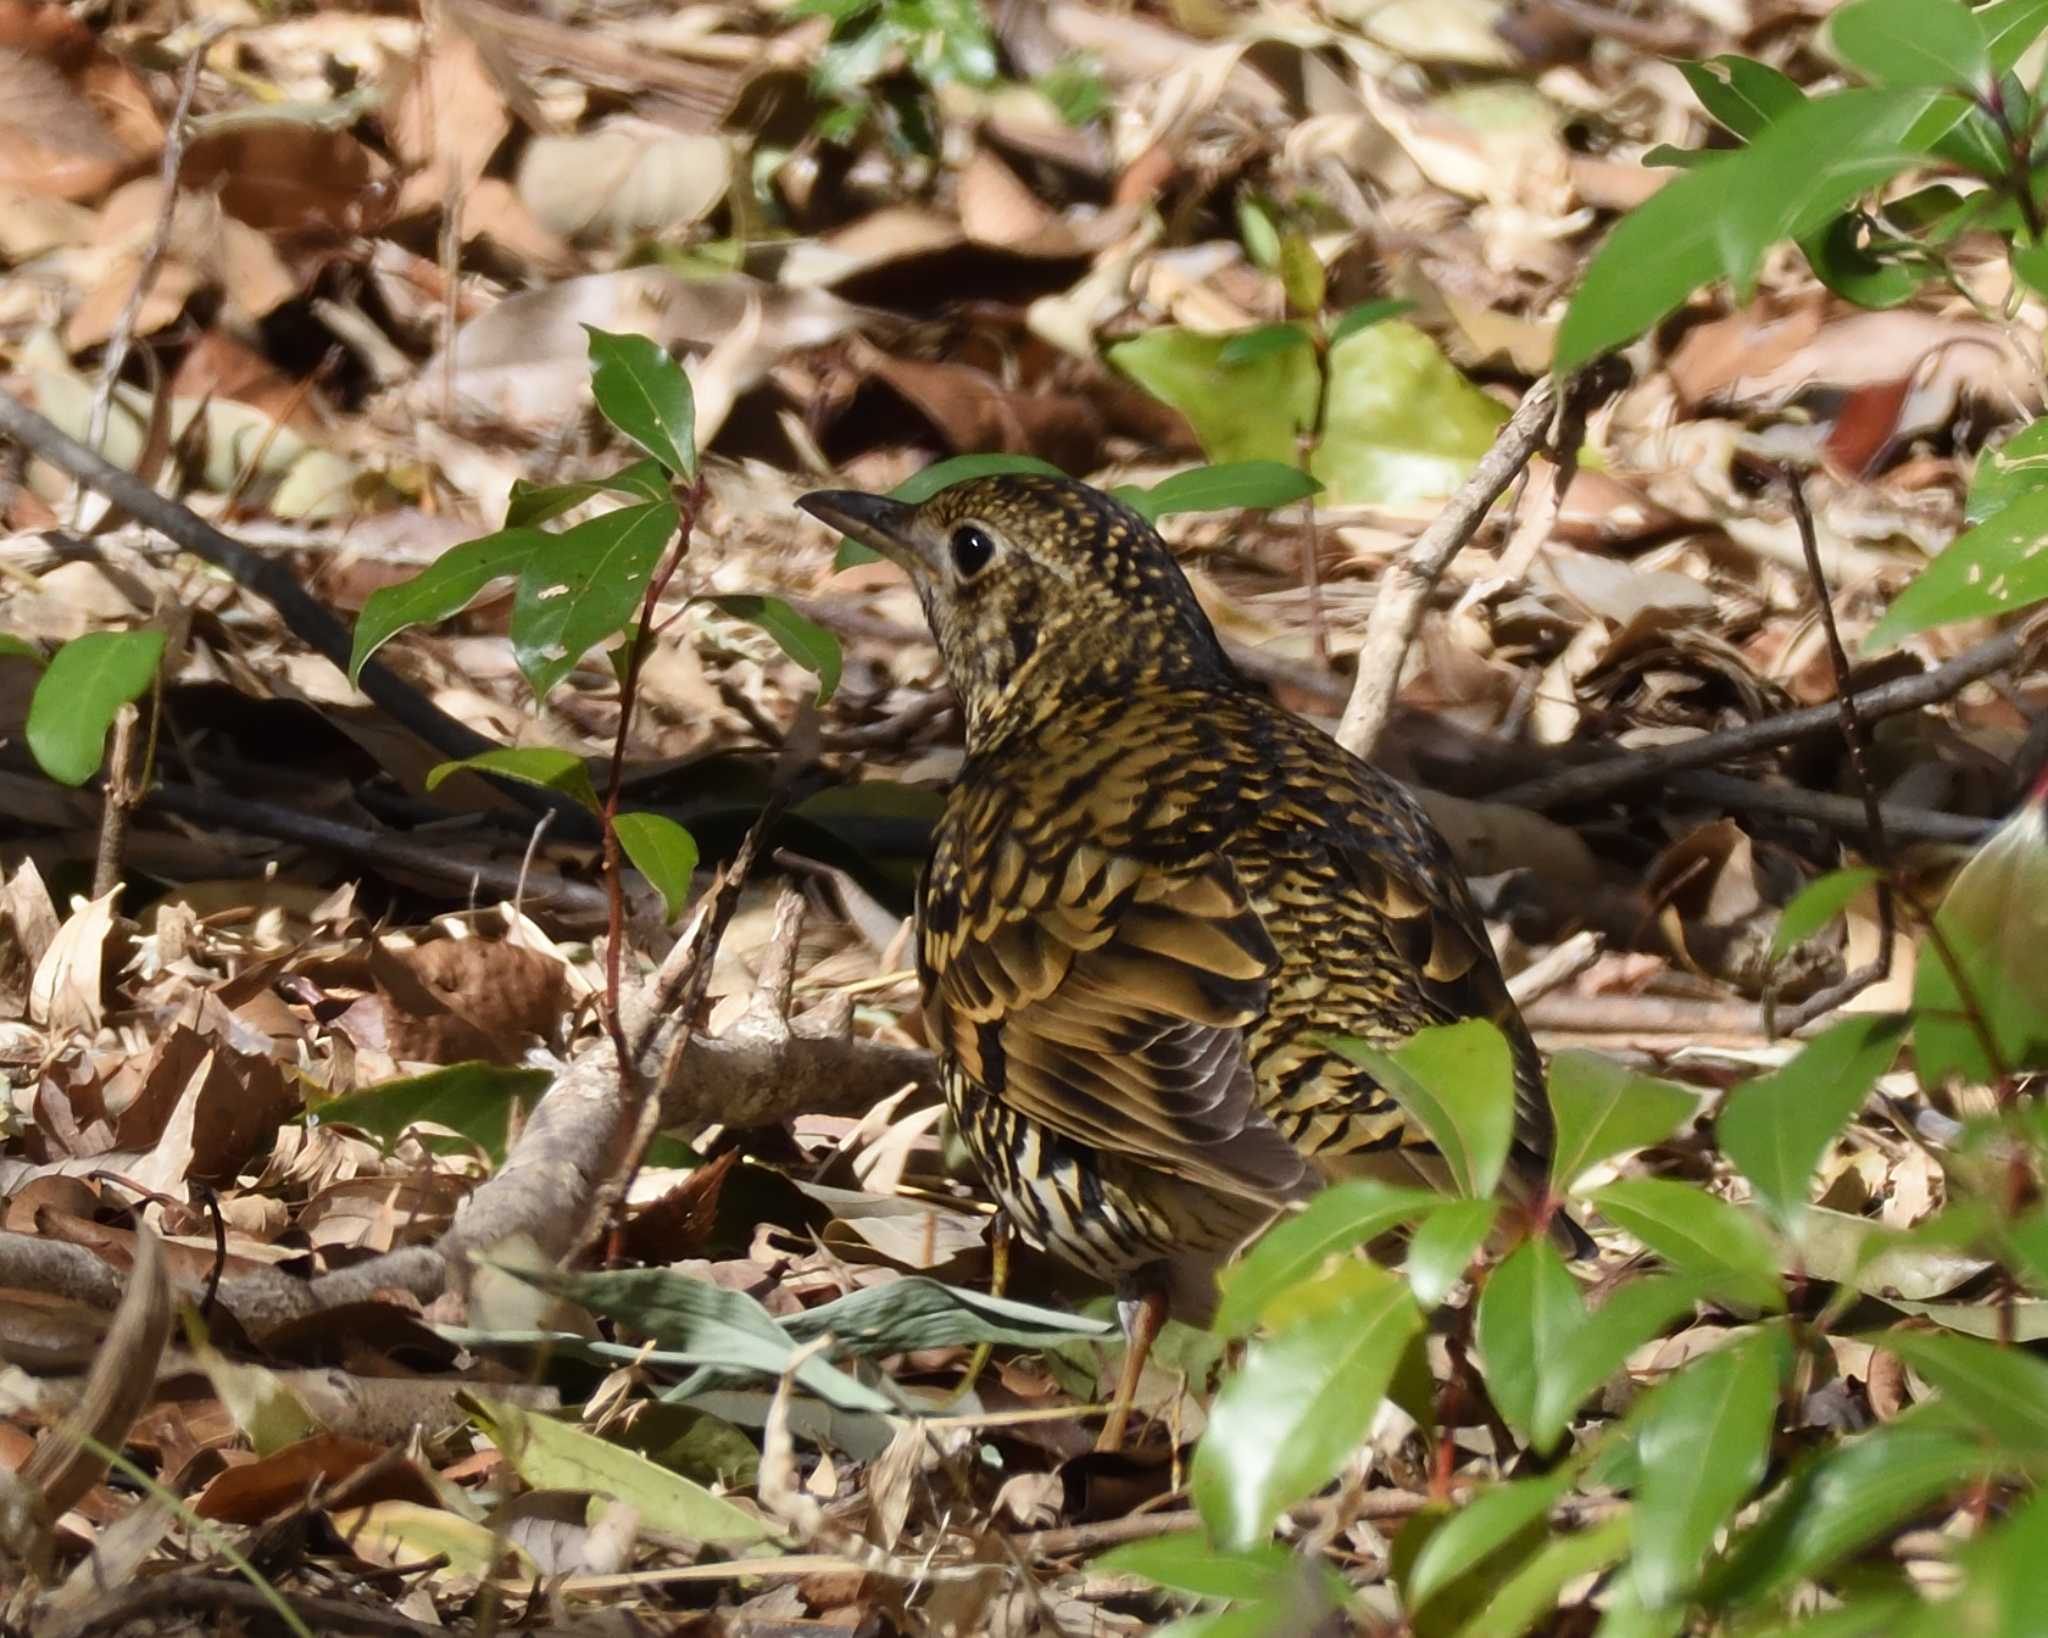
(1153, 894)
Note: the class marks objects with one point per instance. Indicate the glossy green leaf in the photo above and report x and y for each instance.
(445, 587)
(1843, 259)
(1994, 569)
(1632, 1315)
(1365, 314)
(1702, 1437)
(1818, 903)
(476, 1100)
(2010, 26)
(1189, 1563)
(663, 852)
(1341, 1218)
(1849, 1496)
(1604, 1108)
(1743, 95)
(533, 504)
(922, 485)
(1999, 1578)
(919, 1312)
(1529, 1313)
(543, 765)
(76, 698)
(1458, 1080)
(1719, 220)
(1776, 1127)
(1994, 922)
(1247, 346)
(803, 640)
(1490, 1521)
(646, 395)
(1533, 1589)
(1443, 1247)
(1401, 424)
(1254, 484)
(579, 587)
(2006, 471)
(1256, 410)
(1283, 1424)
(1913, 42)
(1699, 1235)
(2003, 1390)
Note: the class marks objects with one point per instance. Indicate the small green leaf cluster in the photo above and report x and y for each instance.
(84, 685)
(1705, 1503)
(1941, 97)
(583, 586)
(937, 42)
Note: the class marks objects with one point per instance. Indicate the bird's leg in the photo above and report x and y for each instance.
(1141, 1305)
(998, 1282)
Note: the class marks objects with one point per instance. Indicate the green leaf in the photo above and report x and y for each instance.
(476, 1100)
(2010, 26)
(1442, 1249)
(1698, 1234)
(1366, 314)
(1994, 921)
(1630, 1317)
(581, 586)
(1401, 423)
(1743, 95)
(1719, 220)
(533, 504)
(1341, 1218)
(2003, 1390)
(917, 1312)
(1529, 1313)
(1775, 1128)
(1851, 1495)
(1301, 275)
(1458, 1080)
(921, 486)
(543, 765)
(1490, 1521)
(1188, 1563)
(803, 640)
(1252, 411)
(1994, 569)
(646, 395)
(76, 698)
(1702, 1436)
(1843, 262)
(445, 587)
(1913, 42)
(1283, 1424)
(1253, 484)
(19, 648)
(552, 1455)
(1604, 1108)
(1818, 903)
(663, 852)
(1533, 1589)
(1248, 346)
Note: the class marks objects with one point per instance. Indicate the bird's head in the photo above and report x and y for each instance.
(1035, 585)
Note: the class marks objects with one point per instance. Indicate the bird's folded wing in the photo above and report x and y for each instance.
(1107, 999)
(1437, 933)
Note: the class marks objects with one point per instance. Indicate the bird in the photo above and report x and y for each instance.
(1153, 896)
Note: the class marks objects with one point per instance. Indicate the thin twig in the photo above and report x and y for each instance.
(1876, 842)
(123, 334)
(117, 802)
(1404, 589)
(1843, 813)
(1634, 769)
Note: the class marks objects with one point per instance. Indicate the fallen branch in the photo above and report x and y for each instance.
(1634, 769)
(1405, 587)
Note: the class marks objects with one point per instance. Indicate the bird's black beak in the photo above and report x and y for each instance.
(875, 521)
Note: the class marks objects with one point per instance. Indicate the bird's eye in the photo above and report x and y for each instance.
(971, 550)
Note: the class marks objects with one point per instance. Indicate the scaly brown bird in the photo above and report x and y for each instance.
(1152, 894)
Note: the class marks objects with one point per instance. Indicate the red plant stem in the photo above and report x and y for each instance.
(689, 503)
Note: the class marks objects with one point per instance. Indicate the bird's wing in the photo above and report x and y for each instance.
(1107, 998)
(1404, 871)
